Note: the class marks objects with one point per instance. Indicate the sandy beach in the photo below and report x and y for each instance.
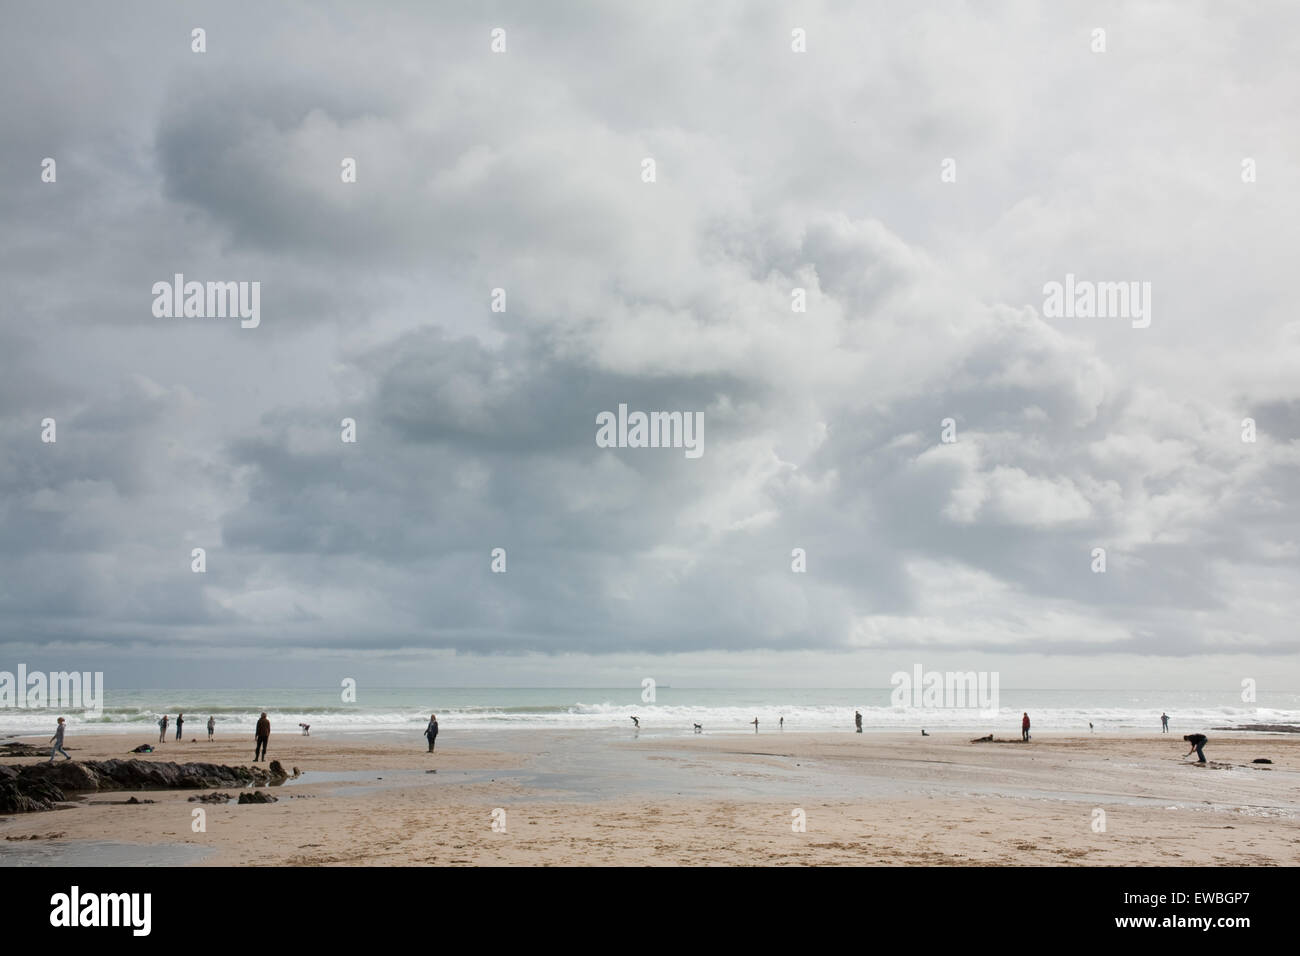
(597, 799)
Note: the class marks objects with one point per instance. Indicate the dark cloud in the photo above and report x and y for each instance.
(476, 429)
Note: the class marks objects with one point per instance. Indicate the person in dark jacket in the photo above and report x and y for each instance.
(180, 722)
(1024, 728)
(162, 728)
(263, 737)
(1197, 741)
(432, 731)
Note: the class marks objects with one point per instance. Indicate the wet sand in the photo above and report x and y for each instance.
(585, 798)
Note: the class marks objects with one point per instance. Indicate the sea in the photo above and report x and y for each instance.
(673, 711)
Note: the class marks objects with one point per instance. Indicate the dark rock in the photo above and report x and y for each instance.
(39, 795)
(1265, 728)
(255, 796)
(37, 836)
(68, 775)
(40, 786)
(1261, 760)
(23, 750)
(212, 798)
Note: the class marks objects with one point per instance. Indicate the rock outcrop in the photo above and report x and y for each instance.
(255, 796)
(212, 798)
(23, 750)
(41, 786)
(36, 795)
(1264, 728)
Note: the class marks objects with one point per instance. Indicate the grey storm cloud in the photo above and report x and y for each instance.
(476, 429)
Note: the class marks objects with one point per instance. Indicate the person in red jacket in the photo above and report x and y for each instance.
(1024, 728)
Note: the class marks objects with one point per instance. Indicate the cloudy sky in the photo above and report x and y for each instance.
(774, 170)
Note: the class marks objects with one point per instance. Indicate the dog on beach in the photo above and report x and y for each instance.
(699, 728)
(306, 729)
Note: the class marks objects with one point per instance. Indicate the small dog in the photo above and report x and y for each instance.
(699, 728)
(306, 729)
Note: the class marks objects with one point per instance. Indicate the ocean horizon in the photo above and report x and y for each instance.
(673, 711)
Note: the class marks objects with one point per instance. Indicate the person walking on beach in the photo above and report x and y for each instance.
(755, 725)
(57, 740)
(432, 731)
(1197, 741)
(162, 728)
(262, 738)
(857, 720)
(1164, 723)
(1024, 728)
(782, 723)
(212, 728)
(180, 722)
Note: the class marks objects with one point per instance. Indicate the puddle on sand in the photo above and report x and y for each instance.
(354, 776)
(370, 781)
(99, 853)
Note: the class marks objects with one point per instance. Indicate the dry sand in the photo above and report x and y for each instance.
(593, 799)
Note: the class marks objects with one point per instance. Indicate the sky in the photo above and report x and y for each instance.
(922, 172)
